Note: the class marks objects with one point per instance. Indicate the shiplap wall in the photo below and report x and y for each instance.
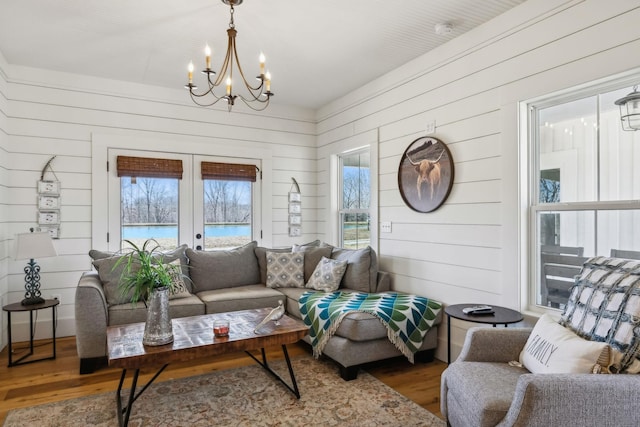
(4, 181)
(56, 114)
(470, 249)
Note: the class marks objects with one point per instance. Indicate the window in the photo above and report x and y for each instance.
(227, 203)
(584, 188)
(149, 200)
(206, 202)
(355, 199)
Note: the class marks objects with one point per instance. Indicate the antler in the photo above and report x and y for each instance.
(431, 161)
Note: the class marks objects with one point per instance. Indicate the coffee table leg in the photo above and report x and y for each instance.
(124, 413)
(292, 388)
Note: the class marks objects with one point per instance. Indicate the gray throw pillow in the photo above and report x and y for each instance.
(110, 275)
(312, 256)
(327, 275)
(211, 270)
(362, 268)
(285, 270)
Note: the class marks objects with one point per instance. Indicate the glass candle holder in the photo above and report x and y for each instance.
(221, 328)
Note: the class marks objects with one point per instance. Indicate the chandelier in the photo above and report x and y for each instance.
(630, 110)
(257, 97)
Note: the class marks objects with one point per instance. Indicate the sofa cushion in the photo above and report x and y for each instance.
(240, 298)
(285, 270)
(131, 313)
(604, 305)
(312, 256)
(211, 270)
(554, 349)
(105, 263)
(327, 275)
(362, 268)
(110, 273)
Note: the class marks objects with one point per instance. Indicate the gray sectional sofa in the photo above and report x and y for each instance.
(222, 281)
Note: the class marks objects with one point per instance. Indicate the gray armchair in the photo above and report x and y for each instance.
(481, 389)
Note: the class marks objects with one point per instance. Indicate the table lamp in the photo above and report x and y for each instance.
(30, 246)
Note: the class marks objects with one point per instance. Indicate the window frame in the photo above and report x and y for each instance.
(532, 165)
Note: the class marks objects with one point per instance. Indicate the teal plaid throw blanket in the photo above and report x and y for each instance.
(407, 317)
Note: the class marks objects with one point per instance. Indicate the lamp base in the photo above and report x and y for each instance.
(32, 301)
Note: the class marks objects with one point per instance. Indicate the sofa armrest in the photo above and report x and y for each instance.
(92, 317)
(383, 283)
(576, 399)
(493, 344)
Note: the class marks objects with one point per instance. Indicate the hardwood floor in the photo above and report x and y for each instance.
(54, 380)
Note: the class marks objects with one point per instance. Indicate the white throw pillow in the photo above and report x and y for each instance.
(554, 349)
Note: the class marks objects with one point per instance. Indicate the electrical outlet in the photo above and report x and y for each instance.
(431, 127)
(385, 227)
(57, 296)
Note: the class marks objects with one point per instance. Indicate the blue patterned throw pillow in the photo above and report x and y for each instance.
(285, 269)
(327, 275)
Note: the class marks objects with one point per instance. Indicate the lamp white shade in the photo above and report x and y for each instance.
(34, 245)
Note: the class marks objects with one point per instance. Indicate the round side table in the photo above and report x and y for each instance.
(501, 316)
(18, 307)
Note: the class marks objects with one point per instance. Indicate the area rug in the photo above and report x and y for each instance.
(247, 396)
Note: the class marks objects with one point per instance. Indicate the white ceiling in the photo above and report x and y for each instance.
(317, 50)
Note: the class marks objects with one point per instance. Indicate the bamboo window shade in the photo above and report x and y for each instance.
(229, 171)
(147, 167)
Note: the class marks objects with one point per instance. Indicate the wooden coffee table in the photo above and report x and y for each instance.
(193, 338)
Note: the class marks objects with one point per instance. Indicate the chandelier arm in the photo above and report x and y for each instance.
(246, 83)
(194, 97)
(251, 104)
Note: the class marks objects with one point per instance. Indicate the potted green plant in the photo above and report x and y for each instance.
(146, 277)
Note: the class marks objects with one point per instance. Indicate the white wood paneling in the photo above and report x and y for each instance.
(50, 116)
(4, 196)
(468, 250)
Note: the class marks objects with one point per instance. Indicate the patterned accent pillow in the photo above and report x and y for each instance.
(285, 270)
(604, 306)
(554, 349)
(327, 275)
(180, 289)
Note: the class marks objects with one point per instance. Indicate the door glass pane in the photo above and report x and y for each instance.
(149, 210)
(227, 213)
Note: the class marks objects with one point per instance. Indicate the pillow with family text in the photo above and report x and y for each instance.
(554, 349)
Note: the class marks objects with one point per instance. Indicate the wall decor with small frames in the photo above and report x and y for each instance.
(295, 210)
(49, 202)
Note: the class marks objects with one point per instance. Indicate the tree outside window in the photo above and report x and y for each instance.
(355, 227)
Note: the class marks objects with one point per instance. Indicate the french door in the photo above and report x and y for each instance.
(203, 213)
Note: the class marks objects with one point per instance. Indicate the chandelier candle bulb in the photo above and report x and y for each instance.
(228, 86)
(207, 56)
(190, 68)
(268, 82)
(262, 60)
